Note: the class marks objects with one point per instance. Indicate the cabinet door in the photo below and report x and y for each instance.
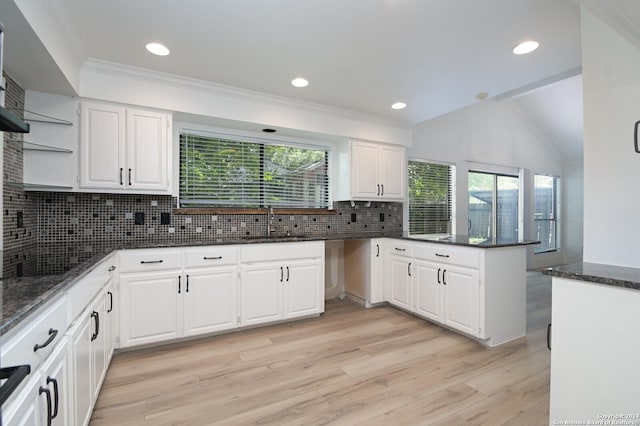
(102, 144)
(364, 171)
(147, 150)
(392, 172)
(110, 320)
(210, 300)
(80, 336)
(150, 311)
(400, 275)
(303, 289)
(97, 315)
(376, 284)
(428, 290)
(461, 288)
(55, 377)
(25, 409)
(261, 293)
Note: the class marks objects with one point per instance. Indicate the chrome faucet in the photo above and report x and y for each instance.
(269, 220)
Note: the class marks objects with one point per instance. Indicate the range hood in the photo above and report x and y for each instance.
(10, 122)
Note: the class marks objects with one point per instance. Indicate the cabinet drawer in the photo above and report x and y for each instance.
(88, 286)
(443, 254)
(46, 327)
(262, 252)
(210, 256)
(150, 260)
(399, 248)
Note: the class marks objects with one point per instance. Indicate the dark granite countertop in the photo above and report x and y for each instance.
(617, 276)
(21, 296)
(463, 240)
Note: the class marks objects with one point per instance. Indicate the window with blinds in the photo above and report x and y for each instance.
(545, 214)
(431, 198)
(221, 172)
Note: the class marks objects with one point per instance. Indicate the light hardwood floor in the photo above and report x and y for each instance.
(351, 366)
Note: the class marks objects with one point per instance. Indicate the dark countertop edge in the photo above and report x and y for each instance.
(612, 275)
(467, 244)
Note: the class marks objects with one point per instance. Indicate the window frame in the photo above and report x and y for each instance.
(556, 214)
(252, 137)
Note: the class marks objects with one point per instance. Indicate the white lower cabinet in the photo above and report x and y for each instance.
(89, 362)
(276, 291)
(45, 398)
(478, 291)
(281, 281)
(210, 300)
(150, 311)
(398, 274)
(447, 294)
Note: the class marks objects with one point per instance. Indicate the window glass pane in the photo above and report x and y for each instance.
(216, 172)
(431, 195)
(507, 209)
(545, 213)
(493, 207)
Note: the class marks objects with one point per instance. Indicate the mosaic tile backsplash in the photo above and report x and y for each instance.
(71, 227)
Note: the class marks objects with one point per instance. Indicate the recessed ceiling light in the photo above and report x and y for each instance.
(399, 105)
(157, 49)
(299, 82)
(482, 96)
(526, 47)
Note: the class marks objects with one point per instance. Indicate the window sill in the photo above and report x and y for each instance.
(251, 211)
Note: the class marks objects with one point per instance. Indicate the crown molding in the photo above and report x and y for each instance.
(143, 74)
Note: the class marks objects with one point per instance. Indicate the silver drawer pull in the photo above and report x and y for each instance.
(442, 255)
(151, 261)
(399, 249)
(212, 257)
(111, 269)
(52, 335)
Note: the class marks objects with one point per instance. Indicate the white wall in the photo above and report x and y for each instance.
(572, 204)
(135, 86)
(490, 136)
(611, 72)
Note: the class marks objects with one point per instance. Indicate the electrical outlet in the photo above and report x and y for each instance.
(139, 218)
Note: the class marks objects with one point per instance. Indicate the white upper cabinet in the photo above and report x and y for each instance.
(371, 171)
(124, 149)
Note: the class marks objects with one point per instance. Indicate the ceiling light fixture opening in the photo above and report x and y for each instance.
(525, 47)
(299, 82)
(157, 49)
(399, 105)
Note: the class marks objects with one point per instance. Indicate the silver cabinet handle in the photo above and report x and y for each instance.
(111, 269)
(281, 274)
(382, 192)
(212, 257)
(129, 177)
(409, 268)
(442, 255)
(377, 250)
(287, 274)
(399, 249)
(444, 271)
(378, 192)
(150, 261)
(121, 175)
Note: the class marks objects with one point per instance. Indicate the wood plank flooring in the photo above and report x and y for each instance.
(351, 366)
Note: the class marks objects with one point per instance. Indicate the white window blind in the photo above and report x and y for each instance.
(431, 198)
(545, 214)
(222, 172)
